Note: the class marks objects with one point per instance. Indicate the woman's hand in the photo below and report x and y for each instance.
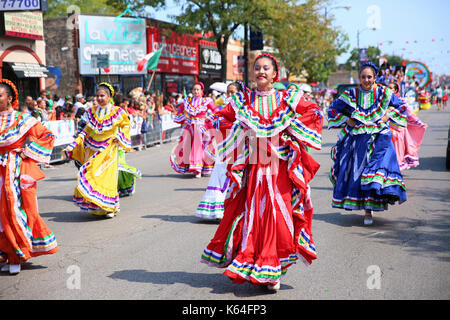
(385, 118)
(22, 155)
(350, 122)
(64, 154)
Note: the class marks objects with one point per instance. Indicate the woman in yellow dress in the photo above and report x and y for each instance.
(96, 148)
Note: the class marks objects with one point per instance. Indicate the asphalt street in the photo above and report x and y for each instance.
(152, 249)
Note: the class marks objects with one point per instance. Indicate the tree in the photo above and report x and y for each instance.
(304, 39)
(373, 54)
(220, 19)
(60, 8)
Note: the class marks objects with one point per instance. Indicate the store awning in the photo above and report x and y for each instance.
(28, 70)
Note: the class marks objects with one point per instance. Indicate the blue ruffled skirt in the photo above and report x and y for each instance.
(365, 172)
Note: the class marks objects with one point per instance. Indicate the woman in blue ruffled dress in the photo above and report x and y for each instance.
(365, 171)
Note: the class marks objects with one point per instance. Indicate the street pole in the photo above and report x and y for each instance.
(246, 55)
(151, 80)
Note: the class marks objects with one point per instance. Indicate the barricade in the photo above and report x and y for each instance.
(64, 131)
(162, 129)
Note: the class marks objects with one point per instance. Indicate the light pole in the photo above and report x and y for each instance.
(358, 32)
(336, 7)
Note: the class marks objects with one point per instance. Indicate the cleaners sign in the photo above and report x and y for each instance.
(123, 38)
(180, 53)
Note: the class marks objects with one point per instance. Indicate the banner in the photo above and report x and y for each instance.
(418, 71)
(167, 122)
(136, 124)
(64, 131)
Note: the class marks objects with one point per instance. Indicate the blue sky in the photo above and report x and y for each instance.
(417, 22)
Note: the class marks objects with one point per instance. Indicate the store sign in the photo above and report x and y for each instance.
(210, 61)
(123, 38)
(22, 24)
(180, 53)
(238, 64)
(29, 70)
(22, 5)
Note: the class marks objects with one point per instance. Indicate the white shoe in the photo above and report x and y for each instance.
(14, 268)
(198, 175)
(274, 287)
(368, 219)
(110, 215)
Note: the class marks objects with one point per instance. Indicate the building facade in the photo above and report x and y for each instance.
(23, 52)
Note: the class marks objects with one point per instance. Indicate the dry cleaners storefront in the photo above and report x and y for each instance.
(123, 39)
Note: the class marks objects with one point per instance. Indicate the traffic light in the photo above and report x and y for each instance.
(256, 40)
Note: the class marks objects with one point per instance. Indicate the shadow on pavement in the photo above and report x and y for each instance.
(218, 284)
(341, 219)
(71, 216)
(176, 218)
(431, 163)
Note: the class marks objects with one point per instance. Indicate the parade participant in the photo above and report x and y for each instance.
(439, 96)
(445, 98)
(407, 140)
(96, 149)
(212, 204)
(365, 172)
(24, 142)
(194, 152)
(267, 220)
(424, 99)
(126, 184)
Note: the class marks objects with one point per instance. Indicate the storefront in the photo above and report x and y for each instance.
(22, 51)
(123, 39)
(177, 69)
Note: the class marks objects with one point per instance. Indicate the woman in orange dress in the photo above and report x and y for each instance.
(24, 142)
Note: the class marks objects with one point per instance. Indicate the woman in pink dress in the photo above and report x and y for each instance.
(195, 152)
(407, 140)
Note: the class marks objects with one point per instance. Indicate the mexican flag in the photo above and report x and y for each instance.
(150, 61)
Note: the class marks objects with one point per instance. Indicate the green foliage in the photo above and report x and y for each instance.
(220, 19)
(304, 38)
(373, 54)
(60, 8)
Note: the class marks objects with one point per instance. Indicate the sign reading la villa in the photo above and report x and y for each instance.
(123, 38)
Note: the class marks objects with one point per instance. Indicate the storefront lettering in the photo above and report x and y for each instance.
(123, 54)
(118, 34)
(176, 50)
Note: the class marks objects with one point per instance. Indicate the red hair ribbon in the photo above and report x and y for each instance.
(200, 84)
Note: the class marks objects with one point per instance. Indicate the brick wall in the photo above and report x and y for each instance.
(57, 36)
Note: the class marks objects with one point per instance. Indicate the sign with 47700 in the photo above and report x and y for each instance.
(22, 5)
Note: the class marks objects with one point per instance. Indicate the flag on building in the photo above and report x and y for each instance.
(150, 61)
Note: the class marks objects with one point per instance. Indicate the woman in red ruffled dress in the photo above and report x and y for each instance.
(267, 219)
(195, 152)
